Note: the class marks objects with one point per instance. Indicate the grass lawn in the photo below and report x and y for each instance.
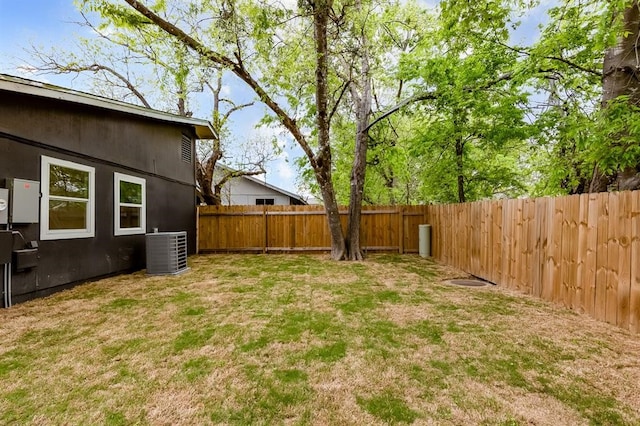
(253, 339)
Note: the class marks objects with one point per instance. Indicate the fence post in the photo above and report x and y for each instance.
(266, 231)
(400, 210)
(197, 229)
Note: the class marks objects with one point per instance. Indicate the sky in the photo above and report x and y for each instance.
(52, 23)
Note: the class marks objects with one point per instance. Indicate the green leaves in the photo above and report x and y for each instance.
(115, 14)
(496, 118)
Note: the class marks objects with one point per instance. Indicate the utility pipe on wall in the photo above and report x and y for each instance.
(6, 280)
(6, 272)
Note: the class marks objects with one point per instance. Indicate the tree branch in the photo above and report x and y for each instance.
(237, 68)
(430, 96)
(234, 109)
(416, 98)
(50, 64)
(343, 90)
(237, 173)
(552, 58)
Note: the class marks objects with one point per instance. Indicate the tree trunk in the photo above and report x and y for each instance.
(204, 176)
(460, 169)
(338, 246)
(621, 61)
(217, 195)
(358, 171)
(620, 77)
(363, 103)
(321, 162)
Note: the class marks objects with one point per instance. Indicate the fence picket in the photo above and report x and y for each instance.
(589, 274)
(624, 259)
(634, 302)
(613, 249)
(539, 246)
(496, 237)
(559, 226)
(581, 253)
(602, 257)
(549, 251)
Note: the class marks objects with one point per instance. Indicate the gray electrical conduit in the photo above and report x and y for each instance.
(6, 279)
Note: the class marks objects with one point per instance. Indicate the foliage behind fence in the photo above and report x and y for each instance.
(581, 251)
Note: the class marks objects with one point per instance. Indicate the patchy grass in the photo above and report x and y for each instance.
(252, 339)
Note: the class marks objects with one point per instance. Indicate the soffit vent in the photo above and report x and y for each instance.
(187, 152)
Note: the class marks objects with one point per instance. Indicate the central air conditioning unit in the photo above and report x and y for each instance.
(166, 253)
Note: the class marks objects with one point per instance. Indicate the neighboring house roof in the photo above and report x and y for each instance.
(203, 128)
(267, 185)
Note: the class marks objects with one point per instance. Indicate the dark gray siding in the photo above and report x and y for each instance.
(110, 142)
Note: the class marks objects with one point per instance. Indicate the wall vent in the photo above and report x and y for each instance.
(186, 151)
(166, 253)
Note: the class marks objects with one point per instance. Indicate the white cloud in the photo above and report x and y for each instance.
(31, 73)
(26, 70)
(264, 133)
(427, 4)
(225, 90)
(285, 171)
(289, 4)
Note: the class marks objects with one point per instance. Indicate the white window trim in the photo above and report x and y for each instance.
(117, 230)
(62, 234)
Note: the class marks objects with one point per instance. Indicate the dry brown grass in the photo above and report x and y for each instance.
(244, 339)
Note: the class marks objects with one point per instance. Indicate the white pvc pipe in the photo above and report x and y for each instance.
(424, 240)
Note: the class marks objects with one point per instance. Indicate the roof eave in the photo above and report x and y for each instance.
(203, 128)
(205, 132)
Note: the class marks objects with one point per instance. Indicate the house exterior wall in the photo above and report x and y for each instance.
(241, 191)
(109, 141)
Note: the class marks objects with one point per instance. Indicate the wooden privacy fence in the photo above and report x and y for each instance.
(581, 251)
(303, 228)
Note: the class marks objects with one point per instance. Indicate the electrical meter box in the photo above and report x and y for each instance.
(25, 201)
(4, 206)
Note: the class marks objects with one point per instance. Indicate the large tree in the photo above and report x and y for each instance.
(621, 100)
(250, 39)
(366, 59)
(589, 53)
(467, 105)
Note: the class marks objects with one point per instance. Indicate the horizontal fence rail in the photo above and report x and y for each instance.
(580, 251)
(304, 228)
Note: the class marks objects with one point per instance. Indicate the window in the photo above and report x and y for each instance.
(129, 204)
(264, 201)
(67, 205)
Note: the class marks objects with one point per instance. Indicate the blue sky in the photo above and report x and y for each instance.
(51, 23)
(40, 22)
